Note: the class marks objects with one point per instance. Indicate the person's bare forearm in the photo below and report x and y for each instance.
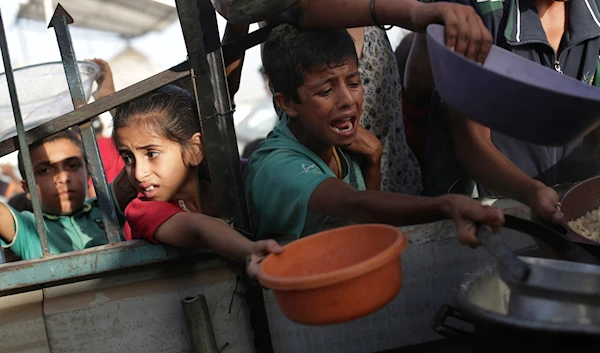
(338, 199)
(486, 165)
(489, 167)
(218, 236)
(196, 230)
(465, 32)
(397, 209)
(352, 13)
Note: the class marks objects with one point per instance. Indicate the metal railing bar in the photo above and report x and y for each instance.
(197, 42)
(95, 262)
(60, 22)
(229, 163)
(98, 107)
(233, 48)
(22, 143)
(200, 32)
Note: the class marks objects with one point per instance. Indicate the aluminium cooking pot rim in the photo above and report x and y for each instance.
(565, 200)
(478, 314)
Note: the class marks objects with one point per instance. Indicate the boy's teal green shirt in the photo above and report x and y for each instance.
(78, 231)
(280, 178)
(65, 233)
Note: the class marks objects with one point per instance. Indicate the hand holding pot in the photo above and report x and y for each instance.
(543, 201)
(466, 213)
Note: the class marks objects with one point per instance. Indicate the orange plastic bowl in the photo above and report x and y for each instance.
(336, 275)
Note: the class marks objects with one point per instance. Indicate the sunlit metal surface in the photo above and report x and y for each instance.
(35, 200)
(60, 22)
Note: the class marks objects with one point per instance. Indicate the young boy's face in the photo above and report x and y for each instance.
(60, 175)
(330, 103)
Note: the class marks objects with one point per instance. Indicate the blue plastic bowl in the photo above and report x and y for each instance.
(513, 95)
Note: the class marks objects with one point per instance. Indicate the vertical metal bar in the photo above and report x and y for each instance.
(199, 26)
(201, 35)
(230, 165)
(199, 326)
(24, 148)
(60, 21)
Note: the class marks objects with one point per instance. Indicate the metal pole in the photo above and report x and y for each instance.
(60, 21)
(201, 36)
(200, 32)
(199, 326)
(24, 148)
(230, 165)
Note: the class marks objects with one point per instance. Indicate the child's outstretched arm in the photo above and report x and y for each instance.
(336, 198)
(196, 230)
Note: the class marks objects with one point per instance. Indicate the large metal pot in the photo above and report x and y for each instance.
(555, 291)
(483, 301)
(251, 11)
(547, 290)
(576, 202)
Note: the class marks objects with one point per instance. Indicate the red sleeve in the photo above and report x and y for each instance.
(415, 127)
(143, 217)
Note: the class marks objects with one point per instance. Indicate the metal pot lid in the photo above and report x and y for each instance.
(545, 289)
(482, 315)
(513, 95)
(558, 279)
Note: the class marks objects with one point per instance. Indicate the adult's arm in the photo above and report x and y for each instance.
(488, 166)
(465, 31)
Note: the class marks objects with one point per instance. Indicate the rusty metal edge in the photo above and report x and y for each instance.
(24, 276)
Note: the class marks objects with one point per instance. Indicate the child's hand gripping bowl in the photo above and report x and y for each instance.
(336, 275)
(259, 250)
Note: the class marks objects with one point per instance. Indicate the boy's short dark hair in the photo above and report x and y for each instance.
(290, 51)
(66, 134)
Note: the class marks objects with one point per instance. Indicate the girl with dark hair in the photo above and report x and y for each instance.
(158, 136)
